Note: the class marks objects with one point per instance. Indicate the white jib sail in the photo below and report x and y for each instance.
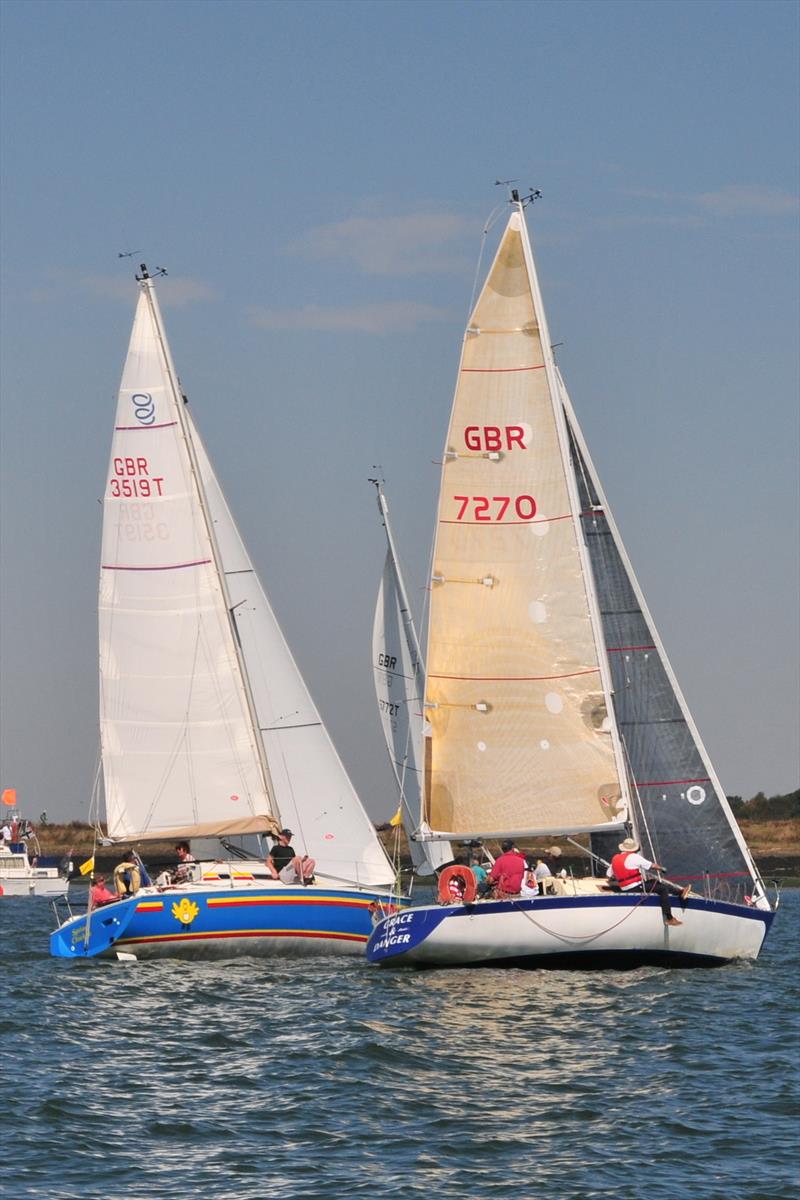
(178, 743)
(522, 739)
(399, 685)
(313, 793)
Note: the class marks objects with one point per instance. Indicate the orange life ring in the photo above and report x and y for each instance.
(448, 894)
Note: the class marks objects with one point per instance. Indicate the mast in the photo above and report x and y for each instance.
(553, 382)
(148, 287)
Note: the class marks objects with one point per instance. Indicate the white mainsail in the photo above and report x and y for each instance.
(517, 691)
(399, 676)
(178, 749)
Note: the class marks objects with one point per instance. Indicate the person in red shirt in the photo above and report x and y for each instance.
(100, 893)
(508, 870)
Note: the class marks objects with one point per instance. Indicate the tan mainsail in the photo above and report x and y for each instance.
(520, 739)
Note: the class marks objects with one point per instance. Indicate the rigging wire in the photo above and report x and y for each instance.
(490, 220)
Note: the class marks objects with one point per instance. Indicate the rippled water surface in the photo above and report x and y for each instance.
(330, 1078)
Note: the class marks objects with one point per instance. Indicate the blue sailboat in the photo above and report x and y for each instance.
(208, 732)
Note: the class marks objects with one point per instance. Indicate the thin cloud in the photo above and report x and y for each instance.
(387, 317)
(173, 291)
(421, 243)
(668, 220)
(741, 200)
(732, 200)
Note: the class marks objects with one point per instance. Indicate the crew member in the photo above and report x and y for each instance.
(286, 864)
(625, 874)
(508, 870)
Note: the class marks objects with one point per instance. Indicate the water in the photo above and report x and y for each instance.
(331, 1079)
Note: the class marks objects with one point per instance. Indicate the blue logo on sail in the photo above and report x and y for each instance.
(144, 408)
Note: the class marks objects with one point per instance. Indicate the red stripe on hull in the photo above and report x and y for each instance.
(243, 933)
(219, 902)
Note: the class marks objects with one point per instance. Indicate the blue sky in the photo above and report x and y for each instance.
(315, 178)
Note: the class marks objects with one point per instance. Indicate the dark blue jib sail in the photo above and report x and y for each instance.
(683, 818)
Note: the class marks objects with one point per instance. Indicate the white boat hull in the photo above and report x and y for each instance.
(569, 931)
(47, 887)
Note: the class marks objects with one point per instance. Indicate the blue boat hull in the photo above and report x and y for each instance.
(218, 922)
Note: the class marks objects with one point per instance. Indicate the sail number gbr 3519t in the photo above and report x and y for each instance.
(495, 508)
(132, 479)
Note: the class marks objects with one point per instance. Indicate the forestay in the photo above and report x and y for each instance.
(521, 739)
(179, 755)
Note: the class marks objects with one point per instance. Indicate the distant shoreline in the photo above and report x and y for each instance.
(775, 846)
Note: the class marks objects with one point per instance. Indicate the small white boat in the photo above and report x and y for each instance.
(22, 875)
(550, 707)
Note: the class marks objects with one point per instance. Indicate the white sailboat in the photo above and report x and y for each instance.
(24, 870)
(399, 675)
(208, 731)
(550, 706)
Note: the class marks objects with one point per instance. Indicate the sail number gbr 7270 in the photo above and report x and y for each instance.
(495, 508)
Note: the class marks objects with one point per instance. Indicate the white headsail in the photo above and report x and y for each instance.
(399, 676)
(517, 690)
(313, 793)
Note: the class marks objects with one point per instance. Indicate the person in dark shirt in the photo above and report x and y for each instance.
(284, 862)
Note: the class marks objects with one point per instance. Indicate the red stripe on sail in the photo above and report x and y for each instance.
(127, 428)
(500, 524)
(514, 678)
(200, 562)
(667, 782)
(497, 370)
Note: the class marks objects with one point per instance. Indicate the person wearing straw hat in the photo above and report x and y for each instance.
(626, 875)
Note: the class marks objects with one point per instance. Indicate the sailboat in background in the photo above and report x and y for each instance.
(550, 706)
(208, 731)
(399, 675)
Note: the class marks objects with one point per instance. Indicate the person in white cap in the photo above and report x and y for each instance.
(626, 875)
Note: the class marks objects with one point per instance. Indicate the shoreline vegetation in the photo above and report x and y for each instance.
(770, 825)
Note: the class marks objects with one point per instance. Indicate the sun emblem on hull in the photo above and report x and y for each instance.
(185, 912)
